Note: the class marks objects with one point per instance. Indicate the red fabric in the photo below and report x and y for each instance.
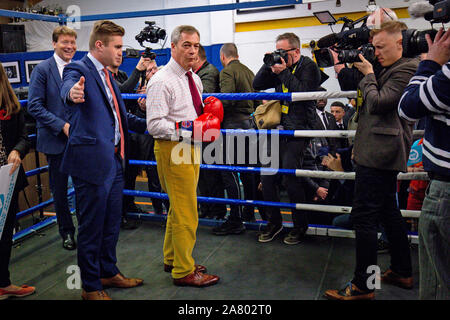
(116, 106)
(213, 106)
(195, 95)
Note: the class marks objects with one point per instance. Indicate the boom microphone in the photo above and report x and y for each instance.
(420, 9)
(328, 40)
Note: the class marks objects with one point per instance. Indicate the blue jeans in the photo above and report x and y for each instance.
(434, 242)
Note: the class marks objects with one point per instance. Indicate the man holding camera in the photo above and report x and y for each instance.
(427, 97)
(381, 150)
(291, 72)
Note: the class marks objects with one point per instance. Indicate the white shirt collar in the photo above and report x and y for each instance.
(177, 69)
(96, 63)
(320, 112)
(60, 62)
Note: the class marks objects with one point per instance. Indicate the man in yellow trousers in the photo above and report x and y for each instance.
(175, 109)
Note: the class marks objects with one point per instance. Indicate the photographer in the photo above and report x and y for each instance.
(293, 73)
(427, 96)
(349, 76)
(381, 150)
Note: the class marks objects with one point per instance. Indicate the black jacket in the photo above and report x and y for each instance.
(306, 78)
(15, 137)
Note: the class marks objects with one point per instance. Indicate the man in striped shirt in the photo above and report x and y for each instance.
(428, 96)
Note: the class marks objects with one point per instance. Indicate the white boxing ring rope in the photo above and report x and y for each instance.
(298, 96)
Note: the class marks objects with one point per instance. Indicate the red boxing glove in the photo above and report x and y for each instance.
(206, 128)
(214, 106)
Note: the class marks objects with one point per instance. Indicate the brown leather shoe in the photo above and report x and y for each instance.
(198, 267)
(95, 295)
(119, 281)
(197, 279)
(350, 292)
(397, 280)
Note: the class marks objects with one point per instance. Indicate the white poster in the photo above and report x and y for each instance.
(7, 184)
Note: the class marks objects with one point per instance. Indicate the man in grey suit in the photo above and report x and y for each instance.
(381, 150)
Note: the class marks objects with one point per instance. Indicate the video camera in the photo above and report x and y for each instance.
(440, 13)
(350, 43)
(347, 43)
(435, 11)
(151, 33)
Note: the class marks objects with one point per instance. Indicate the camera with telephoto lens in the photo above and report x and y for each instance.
(352, 55)
(414, 41)
(348, 44)
(275, 57)
(151, 33)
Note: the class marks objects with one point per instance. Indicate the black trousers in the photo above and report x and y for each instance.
(210, 184)
(374, 202)
(58, 185)
(291, 152)
(6, 241)
(141, 146)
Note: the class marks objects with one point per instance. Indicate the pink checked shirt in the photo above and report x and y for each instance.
(169, 100)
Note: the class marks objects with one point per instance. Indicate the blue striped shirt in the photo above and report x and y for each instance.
(428, 96)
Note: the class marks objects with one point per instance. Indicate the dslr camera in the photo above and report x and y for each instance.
(275, 57)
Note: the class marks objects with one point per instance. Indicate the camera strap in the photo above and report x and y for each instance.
(284, 107)
(359, 102)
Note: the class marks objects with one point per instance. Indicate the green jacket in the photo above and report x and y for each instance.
(209, 75)
(236, 78)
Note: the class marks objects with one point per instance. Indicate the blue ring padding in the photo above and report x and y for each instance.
(34, 228)
(146, 194)
(36, 171)
(246, 132)
(224, 168)
(229, 96)
(41, 205)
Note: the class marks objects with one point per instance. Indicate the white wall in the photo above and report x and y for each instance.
(218, 27)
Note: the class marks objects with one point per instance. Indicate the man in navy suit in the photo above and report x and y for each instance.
(95, 157)
(47, 107)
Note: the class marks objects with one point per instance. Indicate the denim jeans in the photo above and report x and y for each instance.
(434, 243)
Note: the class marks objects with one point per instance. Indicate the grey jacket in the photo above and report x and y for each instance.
(383, 139)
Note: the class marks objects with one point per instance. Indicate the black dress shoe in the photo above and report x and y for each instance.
(129, 224)
(69, 242)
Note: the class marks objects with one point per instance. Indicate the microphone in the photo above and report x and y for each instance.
(328, 40)
(420, 9)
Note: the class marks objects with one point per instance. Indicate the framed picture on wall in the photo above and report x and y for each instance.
(12, 71)
(29, 66)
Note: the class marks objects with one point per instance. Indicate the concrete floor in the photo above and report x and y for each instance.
(249, 270)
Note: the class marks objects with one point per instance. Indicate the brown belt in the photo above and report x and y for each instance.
(116, 150)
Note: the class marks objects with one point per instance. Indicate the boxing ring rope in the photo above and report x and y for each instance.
(314, 229)
(300, 96)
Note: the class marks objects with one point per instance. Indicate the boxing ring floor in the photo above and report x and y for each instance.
(249, 270)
